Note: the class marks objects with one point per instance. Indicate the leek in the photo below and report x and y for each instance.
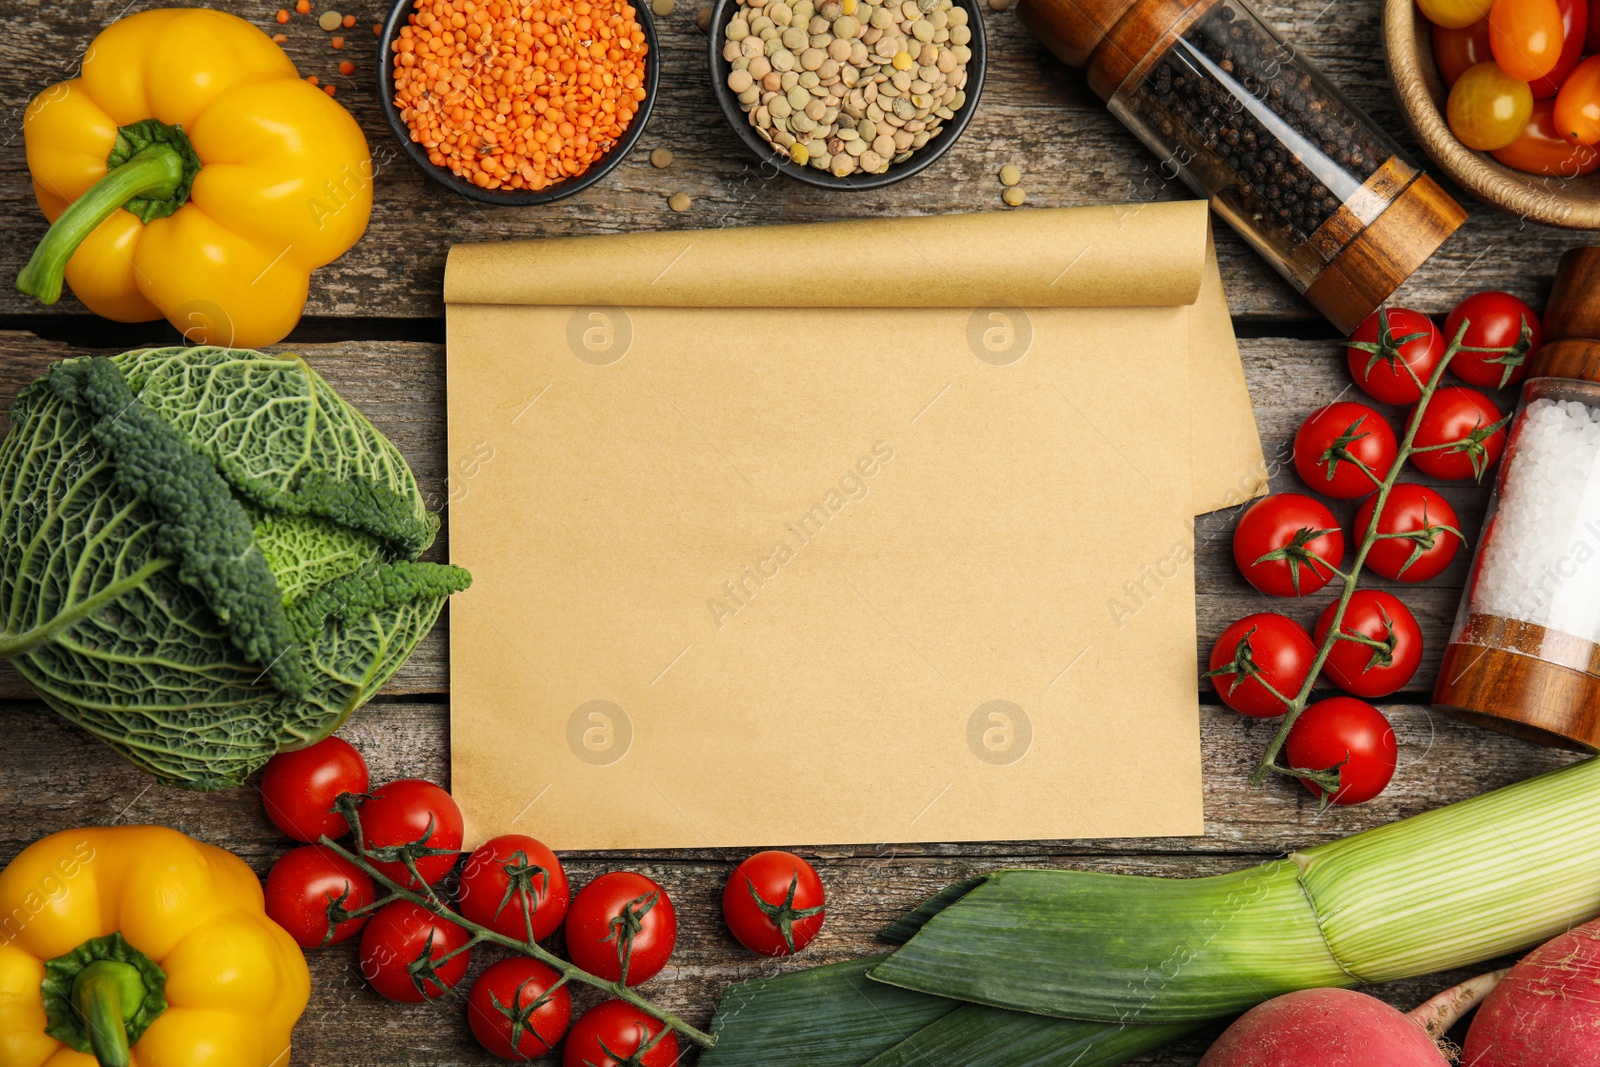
(1456, 886)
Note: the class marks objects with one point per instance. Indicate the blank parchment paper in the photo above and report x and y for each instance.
(854, 532)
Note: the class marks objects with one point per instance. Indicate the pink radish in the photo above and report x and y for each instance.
(1547, 1011)
(1343, 1028)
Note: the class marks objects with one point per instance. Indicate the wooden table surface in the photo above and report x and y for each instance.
(374, 328)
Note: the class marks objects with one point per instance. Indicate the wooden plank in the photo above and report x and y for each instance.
(400, 386)
(1034, 112)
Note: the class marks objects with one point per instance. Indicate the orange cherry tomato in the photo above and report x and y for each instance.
(1577, 112)
(1458, 50)
(1454, 14)
(1488, 108)
(1526, 37)
(1541, 150)
(1575, 31)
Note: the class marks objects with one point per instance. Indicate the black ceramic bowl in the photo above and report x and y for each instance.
(937, 146)
(517, 197)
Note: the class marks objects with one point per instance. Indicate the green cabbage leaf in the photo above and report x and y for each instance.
(207, 556)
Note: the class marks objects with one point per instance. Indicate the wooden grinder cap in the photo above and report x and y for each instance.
(1572, 321)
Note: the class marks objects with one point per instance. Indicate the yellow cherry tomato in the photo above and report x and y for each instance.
(1526, 37)
(1577, 114)
(1455, 13)
(1489, 108)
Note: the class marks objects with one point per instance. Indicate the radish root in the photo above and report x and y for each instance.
(1438, 1014)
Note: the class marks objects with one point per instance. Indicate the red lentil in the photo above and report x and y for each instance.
(519, 94)
(347, 68)
(280, 38)
(328, 89)
(337, 42)
(303, 6)
(283, 16)
(313, 79)
(349, 22)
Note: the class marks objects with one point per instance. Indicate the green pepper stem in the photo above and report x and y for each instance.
(105, 993)
(155, 172)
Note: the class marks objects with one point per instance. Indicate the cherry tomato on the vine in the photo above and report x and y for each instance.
(1495, 320)
(612, 1029)
(1379, 648)
(1542, 150)
(1344, 449)
(404, 811)
(1574, 33)
(298, 788)
(513, 882)
(1288, 544)
(1351, 735)
(1392, 352)
(773, 903)
(1455, 13)
(622, 927)
(515, 1013)
(1466, 428)
(1458, 50)
(1488, 108)
(1258, 651)
(1429, 533)
(304, 882)
(401, 933)
(1526, 37)
(1577, 112)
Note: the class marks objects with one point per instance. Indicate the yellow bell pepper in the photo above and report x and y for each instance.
(190, 173)
(135, 946)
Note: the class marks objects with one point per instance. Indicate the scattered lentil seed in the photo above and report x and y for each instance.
(283, 16)
(279, 38)
(1010, 175)
(329, 89)
(661, 158)
(679, 202)
(348, 22)
(337, 42)
(1014, 196)
(702, 18)
(1000, 5)
(377, 29)
(347, 68)
(312, 79)
(329, 20)
(303, 6)
(662, 8)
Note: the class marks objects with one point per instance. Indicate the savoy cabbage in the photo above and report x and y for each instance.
(207, 556)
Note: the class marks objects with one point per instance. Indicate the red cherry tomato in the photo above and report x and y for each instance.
(1574, 33)
(1471, 428)
(401, 933)
(1458, 50)
(1577, 113)
(1334, 445)
(1288, 544)
(1494, 320)
(773, 903)
(1488, 109)
(1593, 43)
(622, 927)
(1542, 150)
(1263, 648)
(513, 882)
(1433, 533)
(1526, 37)
(304, 882)
(1351, 735)
(1392, 351)
(613, 1028)
(298, 788)
(406, 810)
(513, 1011)
(1380, 646)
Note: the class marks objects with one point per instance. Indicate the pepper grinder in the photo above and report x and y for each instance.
(1524, 657)
(1247, 122)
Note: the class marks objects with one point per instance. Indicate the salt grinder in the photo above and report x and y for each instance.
(1524, 657)
(1247, 122)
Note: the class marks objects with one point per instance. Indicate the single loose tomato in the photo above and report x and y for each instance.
(622, 927)
(1574, 33)
(298, 788)
(1350, 735)
(1577, 113)
(1257, 652)
(1466, 431)
(517, 1011)
(1499, 321)
(1379, 646)
(515, 886)
(1288, 544)
(616, 1034)
(1455, 13)
(1488, 108)
(773, 903)
(1393, 352)
(1458, 50)
(1542, 150)
(1418, 533)
(1526, 37)
(304, 882)
(401, 934)
(1344, 450)
(407, 811)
